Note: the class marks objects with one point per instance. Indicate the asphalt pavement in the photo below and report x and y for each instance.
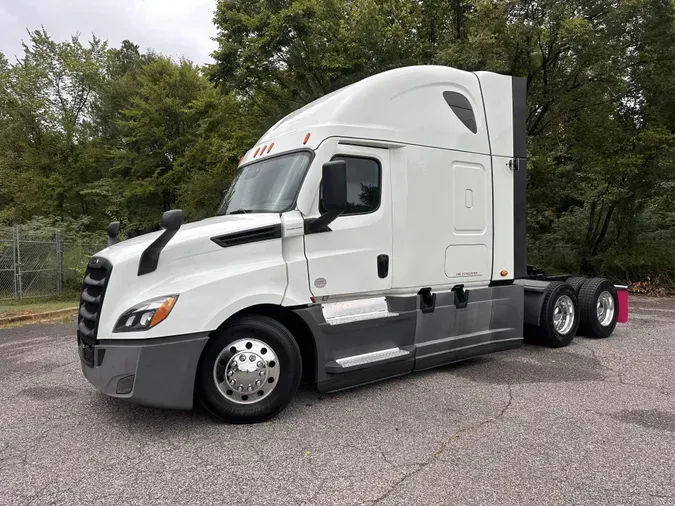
(590, 424)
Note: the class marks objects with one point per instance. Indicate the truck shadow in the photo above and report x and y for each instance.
(529, 364)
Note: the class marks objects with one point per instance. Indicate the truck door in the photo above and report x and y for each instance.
(354, 257)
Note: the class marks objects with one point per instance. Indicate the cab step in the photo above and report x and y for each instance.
(364, 360)
(339, 313)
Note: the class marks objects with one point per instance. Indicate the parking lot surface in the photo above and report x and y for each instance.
(593, 423)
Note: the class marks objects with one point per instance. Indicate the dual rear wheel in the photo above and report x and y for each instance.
(599, 305)
(585, 306)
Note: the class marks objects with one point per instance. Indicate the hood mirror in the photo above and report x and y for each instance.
(113, 232)
(172, 220)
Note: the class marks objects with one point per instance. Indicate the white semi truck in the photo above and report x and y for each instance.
(377, 231)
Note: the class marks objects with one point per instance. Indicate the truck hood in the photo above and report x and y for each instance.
(191, 239)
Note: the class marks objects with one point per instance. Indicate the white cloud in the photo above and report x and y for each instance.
(171, 27)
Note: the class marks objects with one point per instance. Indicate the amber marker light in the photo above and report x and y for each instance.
(163, 311)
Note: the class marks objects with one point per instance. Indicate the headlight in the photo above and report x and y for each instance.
(146, 315)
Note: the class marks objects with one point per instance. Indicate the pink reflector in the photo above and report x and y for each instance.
(622, 294)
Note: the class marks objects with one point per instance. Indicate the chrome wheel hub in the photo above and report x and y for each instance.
(605, 308)
(246, 371)
(563, 314)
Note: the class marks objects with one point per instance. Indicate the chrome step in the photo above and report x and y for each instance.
(374, 356)
(374, 315)
(339, 313)
(358, 361)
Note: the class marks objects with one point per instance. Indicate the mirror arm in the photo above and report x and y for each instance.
(321, 223)
(171, 220)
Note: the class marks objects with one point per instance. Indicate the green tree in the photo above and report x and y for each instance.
(180, 142)
(46, 126)
(282, 54)
(222, 134)
(155, 132)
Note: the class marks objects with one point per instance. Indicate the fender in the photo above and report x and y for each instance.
(224, 314)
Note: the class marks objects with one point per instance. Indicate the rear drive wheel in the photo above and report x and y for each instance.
(250, 371)
(599, 307)
(559, 317)
(576, 282)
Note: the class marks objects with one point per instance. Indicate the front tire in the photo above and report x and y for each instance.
(249, 371)
(559, 319)
(599, 305)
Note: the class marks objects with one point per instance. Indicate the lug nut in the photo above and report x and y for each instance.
(242, 357)
(252, 357)
(230, 372)
(257, 383)
(233, 382)
(241, 388)
(259, 364)
(262, 373)
(250, 388)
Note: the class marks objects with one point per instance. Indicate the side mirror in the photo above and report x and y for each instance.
(172, 220)
(334, 194)
(113, 232)
(334, 185)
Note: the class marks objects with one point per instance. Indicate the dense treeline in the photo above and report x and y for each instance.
(90, 133)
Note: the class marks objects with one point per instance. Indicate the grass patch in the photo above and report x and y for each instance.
(54, 319)
(35, 306)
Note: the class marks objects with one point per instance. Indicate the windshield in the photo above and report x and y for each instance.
(268, 186)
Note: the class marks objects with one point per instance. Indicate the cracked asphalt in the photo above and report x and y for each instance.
(590, 424)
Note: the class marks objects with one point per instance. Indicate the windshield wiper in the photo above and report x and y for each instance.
(241, 211)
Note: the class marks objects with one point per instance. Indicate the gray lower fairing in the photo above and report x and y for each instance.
(159, 372)
(491, 321)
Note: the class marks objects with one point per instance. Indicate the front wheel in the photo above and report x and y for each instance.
(250, 371)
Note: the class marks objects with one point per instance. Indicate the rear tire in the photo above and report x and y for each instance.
(263, 355)
(599, 308)
(559, 319)
(576, 282)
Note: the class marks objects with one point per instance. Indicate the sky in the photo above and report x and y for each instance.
(171, 27)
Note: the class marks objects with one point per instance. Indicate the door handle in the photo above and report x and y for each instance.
(383, 266)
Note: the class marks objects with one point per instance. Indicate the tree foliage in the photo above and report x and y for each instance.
(93, 133)
(109, 133)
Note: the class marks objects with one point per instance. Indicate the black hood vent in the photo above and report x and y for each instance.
(248, 236)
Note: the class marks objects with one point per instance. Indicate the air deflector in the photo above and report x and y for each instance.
(461, 106)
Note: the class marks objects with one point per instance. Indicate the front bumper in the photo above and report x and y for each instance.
(156, 372)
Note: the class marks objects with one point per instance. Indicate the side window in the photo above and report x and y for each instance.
(363, 185)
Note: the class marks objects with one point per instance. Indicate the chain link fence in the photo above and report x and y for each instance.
(8, 286)
(41, 263)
